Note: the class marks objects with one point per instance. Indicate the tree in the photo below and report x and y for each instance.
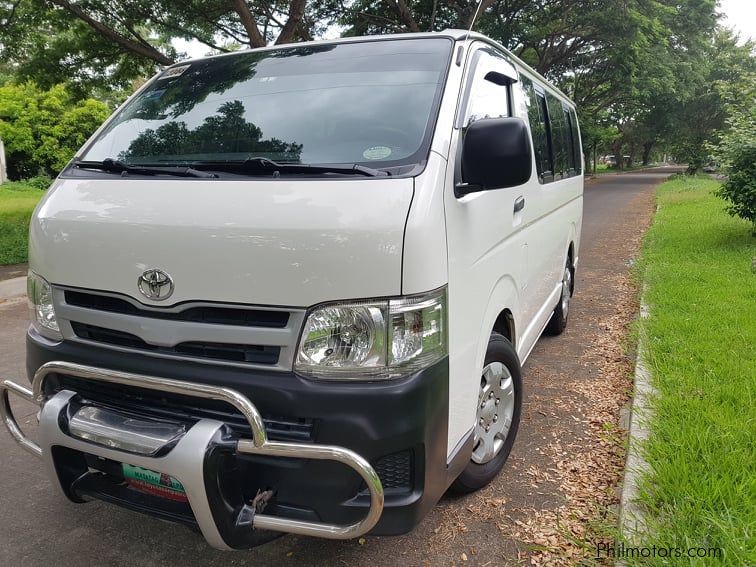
(44, 44)
(43, 129)
(597, 131)
(102, 44)
(736, 151)
(700, 115)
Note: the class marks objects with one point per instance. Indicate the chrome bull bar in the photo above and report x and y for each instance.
(258, 445)
(8, 387)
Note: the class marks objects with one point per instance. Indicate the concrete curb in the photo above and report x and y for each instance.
(632, 515)
(12, 288)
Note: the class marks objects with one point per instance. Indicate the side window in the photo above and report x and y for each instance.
(560, 142)
(488, 99)
(576, 145)
(539, 128)
(553, 125)
(569, 140)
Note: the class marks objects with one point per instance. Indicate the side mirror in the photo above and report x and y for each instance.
(495, 154)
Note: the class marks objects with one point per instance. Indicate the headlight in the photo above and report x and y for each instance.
(373, 339)
(39, 293)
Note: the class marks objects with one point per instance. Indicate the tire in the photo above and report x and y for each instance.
(483, 467)
(558, 322)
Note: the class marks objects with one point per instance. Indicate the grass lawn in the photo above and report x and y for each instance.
(701, 339)
(17, 201)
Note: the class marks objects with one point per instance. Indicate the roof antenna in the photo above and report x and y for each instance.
(475, 17)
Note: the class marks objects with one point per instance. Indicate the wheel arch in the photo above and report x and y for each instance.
(505, 325)
(501, 315)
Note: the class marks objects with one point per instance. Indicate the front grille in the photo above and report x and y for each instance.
(256, 354)
(231, 333)
(175, 407)
(205, 314)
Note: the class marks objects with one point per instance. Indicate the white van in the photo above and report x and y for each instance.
(291, 289)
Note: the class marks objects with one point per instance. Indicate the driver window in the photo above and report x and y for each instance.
(488, 97)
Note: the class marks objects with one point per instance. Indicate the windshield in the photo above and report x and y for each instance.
(370, 103)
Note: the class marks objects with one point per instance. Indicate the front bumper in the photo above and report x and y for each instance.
(362, 426)
(189, 460)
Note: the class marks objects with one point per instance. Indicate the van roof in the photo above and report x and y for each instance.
(454, 34)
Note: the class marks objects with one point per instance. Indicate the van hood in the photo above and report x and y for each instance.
(267, 242)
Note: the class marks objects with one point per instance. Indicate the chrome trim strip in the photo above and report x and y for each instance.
(59, 290)
(259, 445)
(168, 333)
(8, 387)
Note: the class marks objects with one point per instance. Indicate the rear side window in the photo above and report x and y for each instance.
(577, 148)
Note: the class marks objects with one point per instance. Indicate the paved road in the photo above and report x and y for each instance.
(39, 527)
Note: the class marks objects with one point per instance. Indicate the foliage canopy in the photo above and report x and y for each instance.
(41, 129)
(644, 73)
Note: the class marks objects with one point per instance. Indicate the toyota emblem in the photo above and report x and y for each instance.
(155, 284)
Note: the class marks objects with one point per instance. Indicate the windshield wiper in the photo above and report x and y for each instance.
(256, 165)
(116, 166)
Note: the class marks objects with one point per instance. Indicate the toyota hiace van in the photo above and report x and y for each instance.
(291, 289)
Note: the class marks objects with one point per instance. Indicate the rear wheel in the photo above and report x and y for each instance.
(498, 415)
(558, 322)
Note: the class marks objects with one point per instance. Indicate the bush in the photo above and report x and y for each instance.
(42, 130)
(41, 182)
(737, 153)
(740, 188)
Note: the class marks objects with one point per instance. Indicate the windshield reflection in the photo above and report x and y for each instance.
(226, 133)
(370, 103)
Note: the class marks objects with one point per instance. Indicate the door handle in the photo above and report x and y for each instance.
(519, 204)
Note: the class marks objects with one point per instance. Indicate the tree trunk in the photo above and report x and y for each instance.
(256, 39)
(617, 151)
(296, 13)
(647, 147)
(405, 15)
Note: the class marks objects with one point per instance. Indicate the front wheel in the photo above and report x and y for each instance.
(498, 415)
